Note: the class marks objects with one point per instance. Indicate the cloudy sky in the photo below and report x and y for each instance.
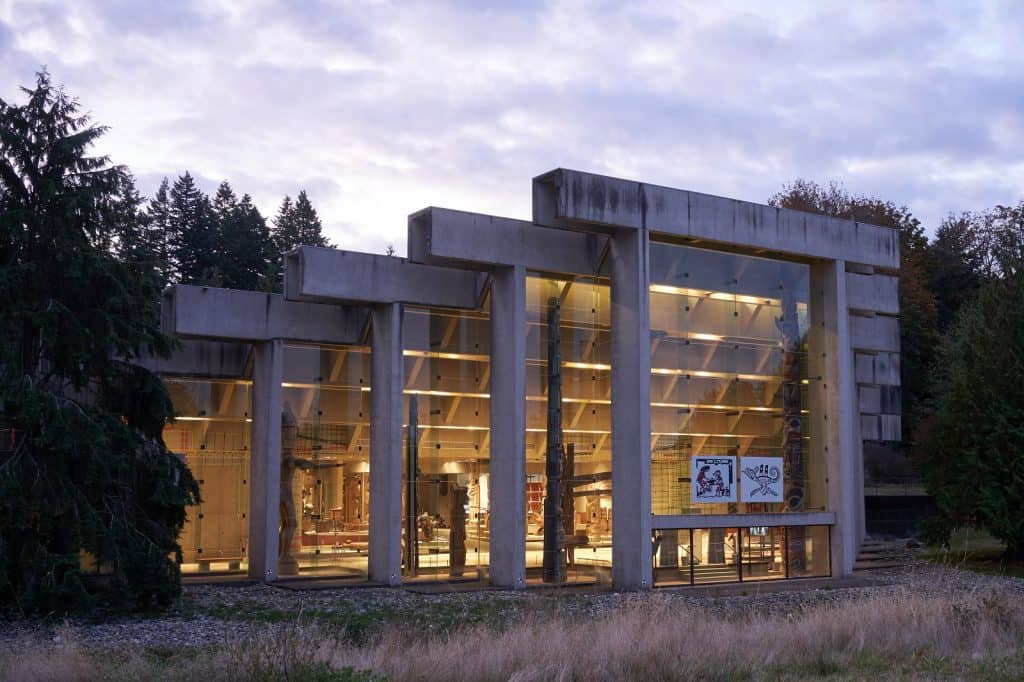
(379, 108)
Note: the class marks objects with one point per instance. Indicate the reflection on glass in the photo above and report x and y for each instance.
(211, 433)
(729, 380)
(577, 474)
(446, 472)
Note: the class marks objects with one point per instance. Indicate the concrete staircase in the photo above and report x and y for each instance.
(877, 554)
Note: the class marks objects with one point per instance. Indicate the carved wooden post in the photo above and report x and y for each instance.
(412, 510)
(554, 532)
(792, 424)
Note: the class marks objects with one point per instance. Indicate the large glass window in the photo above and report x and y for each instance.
(212, 433)
(325, 461)
(446, 473)
(730, 386)
(568, 429)
(697, 556)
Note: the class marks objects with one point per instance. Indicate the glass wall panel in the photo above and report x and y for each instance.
(325, 461)
(212, 431)
(729, 385)
(695, 556)
(446, 472)
(576, 466)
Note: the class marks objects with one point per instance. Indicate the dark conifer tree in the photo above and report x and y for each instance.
(242, 247)
(308, 228)
(194, 231)
(161, 234)
(83, 467)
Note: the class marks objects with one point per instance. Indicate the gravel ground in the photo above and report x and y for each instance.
(212, 614)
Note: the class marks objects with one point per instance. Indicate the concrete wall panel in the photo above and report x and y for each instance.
(879, 333)
(877, 293)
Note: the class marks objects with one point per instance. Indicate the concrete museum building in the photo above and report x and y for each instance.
(642, 385)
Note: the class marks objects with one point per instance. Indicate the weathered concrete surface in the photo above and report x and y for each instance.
(387, 379)
(204, 360)
(631, 410)
(265, 491)
(573, 199)
(508, 428)
(877, 293)
(193, 312)
(879, 333)
(440, 236)
(332, 275)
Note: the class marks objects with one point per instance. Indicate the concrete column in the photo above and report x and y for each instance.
(631, 410)
(508, 428)
(265, 476)
(841, 415)
(387, 379)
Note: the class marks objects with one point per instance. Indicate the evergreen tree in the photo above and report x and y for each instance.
(160, 230)
(954, 265)
(307, 223)
(194, 231)
(974, 463)
(296, 224)
(243, 249)
(83, 467)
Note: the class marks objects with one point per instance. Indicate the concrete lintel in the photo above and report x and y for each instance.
(203, 359)
(331, 275)
(441, 236)
(196, 312)
(575, 200)
(672, 522)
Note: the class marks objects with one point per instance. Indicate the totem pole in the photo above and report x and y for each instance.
(287, 565)
(792, 425)
(412, 511)
(457, 535)
(554, 531)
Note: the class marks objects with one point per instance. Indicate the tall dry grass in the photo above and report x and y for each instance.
(653, 640)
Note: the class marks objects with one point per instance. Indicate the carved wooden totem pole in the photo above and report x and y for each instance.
(792, 425)
(554, 530)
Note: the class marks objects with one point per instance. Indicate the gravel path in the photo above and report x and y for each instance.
(212, 614)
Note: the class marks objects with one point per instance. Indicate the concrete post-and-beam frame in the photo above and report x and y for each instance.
(841, 418)
(265, 488)
(197, 312)
(573, 200)
(209, 318)
(385, 550)
(441, 236)
(629, 258)
(508, 427)
(332, 275)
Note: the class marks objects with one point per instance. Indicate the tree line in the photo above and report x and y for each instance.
(189, 238)
(962, 354)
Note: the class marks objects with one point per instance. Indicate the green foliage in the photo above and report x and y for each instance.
(296, 224)
(84, 472)
(974, 463)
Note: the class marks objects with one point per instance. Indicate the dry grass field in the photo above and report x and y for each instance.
(926, 626)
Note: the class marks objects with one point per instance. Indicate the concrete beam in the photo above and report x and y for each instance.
(332, 275)
(577, 200)
(631, 410)
(440, 236)
(385, 551)
(265, 476)
(508, 428)
(203, 359)
(193, 312)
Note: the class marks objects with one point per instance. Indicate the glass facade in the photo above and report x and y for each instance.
(446, 478)
(732, 395)
(212, 434)
(700, 556)
(579, 309)
(730, 408)
(325, 461)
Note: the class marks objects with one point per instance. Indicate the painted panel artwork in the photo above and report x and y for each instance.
(761, 479)
(714, 479)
